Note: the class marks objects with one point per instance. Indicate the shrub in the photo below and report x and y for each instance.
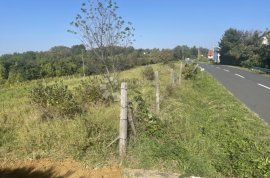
(89, 91)
(189, 72)
(148, 73)
(252, 61)
(55, 100)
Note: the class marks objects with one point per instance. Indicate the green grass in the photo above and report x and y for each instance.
(202, 130)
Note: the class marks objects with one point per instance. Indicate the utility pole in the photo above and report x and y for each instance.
(199, 53)
(83, 64)
(150, 55)
(183, 57)
(213, 52)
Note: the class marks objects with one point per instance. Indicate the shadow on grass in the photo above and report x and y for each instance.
(29, 173)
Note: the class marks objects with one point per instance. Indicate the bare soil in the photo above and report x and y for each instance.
(48, 168)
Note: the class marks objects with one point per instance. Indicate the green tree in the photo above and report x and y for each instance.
(166, 55)
(2, 74)
(228, 44)
(186, 52)
(177, 52)
(58, 61)
(133, 60)
(155, 55)
(140, 52)
(204, 51)
(244, 48)
(145, 59)
(78, 49)
(60, 51)
(130, 49)
(31, 70)
(194, 52)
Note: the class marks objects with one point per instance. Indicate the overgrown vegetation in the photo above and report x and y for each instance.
(197, 132)
(55, 100)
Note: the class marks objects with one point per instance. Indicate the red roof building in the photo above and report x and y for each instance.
(210, 54)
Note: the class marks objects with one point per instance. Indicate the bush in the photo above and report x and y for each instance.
(188, 72)
(148, 73)
(55, 100)
(253, 61)
(89, 91)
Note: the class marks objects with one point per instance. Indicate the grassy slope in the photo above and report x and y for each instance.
(204, 130)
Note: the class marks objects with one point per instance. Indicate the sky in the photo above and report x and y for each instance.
(38, 25)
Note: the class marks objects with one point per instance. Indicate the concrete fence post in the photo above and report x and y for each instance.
(157, 92)
(180, 73)
(172, 81)
(123, 120)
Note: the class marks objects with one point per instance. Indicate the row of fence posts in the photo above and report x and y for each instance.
(126, 116)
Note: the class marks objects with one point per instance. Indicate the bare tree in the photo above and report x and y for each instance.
(103, 33)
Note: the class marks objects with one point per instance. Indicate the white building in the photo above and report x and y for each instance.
(265, 38)
(265, 41)
(216, 54)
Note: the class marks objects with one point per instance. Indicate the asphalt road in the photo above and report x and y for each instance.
(250, 88)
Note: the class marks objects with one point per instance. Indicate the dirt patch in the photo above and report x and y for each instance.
(140, 173)
(48, 168)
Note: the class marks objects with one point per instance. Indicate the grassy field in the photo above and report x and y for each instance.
(202, 130)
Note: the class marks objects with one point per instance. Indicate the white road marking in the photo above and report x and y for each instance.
(218, 67)
(264, 86)
(239, 75)
(226, 70)
(212, 66)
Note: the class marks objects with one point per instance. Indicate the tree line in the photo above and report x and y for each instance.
(245, 48)
(63, 61)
